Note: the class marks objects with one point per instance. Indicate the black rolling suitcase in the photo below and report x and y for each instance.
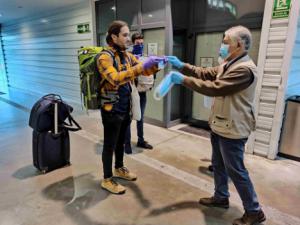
(51, 149)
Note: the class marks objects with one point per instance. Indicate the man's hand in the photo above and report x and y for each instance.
(175, 62)
(167, 83)
(176, 77)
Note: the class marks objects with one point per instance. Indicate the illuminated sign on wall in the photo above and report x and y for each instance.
(281, 9)
(223, 5)
(83, 28)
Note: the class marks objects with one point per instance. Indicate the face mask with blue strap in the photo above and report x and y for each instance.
(138, 49)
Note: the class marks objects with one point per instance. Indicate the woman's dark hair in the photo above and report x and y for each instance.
(136, 35)
(114, 28)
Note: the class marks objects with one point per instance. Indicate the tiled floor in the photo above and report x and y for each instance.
(171, 179)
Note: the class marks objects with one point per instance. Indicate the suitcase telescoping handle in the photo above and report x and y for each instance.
(55, 118)
(64, 125)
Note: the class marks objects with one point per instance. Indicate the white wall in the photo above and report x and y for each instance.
(293, 86)
(41, 51)
(275, 54)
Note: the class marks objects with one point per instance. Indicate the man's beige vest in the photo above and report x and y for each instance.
(232, 116)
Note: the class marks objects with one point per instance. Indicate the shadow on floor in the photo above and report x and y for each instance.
(137, 191)
(206, 160)
(26, 172)
(212, 215)
(204, 170)
(217, 216)
(83, 192)
(78, 194)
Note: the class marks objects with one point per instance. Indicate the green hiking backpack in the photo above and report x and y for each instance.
(90, 78)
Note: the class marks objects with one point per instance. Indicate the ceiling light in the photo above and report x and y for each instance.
(113, 8)
(150, 15)
(44, 21)
(0, 14)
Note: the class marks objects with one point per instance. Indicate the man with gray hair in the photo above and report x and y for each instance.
(232, 84)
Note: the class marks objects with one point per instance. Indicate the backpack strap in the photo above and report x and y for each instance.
(70, 125)
(130, 59)
(115, 64)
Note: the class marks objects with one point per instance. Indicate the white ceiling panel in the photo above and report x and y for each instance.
(11, 10)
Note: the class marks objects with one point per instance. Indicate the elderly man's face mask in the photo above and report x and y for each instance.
(224, 51)
(228, 47)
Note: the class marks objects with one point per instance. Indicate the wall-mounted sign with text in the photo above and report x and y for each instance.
(83, 28)
(281, 9)
(206, 61)
(152, 48)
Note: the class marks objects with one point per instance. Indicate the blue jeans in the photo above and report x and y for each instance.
(140, 123)
(228, 161)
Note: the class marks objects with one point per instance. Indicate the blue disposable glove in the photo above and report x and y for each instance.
(175, 62)
(177, 78)
(167, 83)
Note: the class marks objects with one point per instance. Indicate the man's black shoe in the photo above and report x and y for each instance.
(144, 145)
(210, 168)
(214, 202)
(250, 218)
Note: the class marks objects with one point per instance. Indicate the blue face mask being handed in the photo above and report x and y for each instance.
(138, 49)
(224, 51)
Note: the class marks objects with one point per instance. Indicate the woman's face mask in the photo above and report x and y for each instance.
(138, 49)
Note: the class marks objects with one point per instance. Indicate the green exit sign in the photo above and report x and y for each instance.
(83, 28)
(281, 9)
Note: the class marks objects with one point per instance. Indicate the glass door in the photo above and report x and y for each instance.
(156, 39)
(206, 55)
